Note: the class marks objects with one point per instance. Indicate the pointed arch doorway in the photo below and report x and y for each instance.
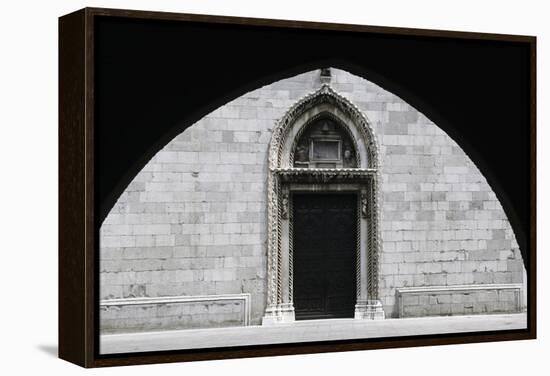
(322, 213)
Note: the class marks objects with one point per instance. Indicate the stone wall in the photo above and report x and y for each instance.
(193, 221)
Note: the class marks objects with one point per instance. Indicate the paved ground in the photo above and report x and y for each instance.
(306, 331)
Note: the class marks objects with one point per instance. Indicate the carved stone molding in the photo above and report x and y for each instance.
(319, 175)
(282, 175)
(325, 95)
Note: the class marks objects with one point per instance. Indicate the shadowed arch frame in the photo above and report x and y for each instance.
(443, 98)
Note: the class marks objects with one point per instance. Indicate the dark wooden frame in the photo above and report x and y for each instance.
(77, 260)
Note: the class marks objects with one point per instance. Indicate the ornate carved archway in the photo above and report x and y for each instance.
(351, 166)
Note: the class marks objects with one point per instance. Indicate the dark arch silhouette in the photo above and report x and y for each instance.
(156, 78)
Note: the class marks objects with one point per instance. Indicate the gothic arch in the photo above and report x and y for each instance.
(339, 105)
(362, 179)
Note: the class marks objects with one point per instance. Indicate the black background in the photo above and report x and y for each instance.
(154, 78)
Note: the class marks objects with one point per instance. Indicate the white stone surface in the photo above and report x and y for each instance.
(306, 331)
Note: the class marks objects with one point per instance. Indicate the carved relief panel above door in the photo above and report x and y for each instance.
(324, 143)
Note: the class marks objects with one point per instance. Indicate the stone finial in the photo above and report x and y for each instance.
(325, 75)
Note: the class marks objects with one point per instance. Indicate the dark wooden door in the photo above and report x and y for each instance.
(324, 240)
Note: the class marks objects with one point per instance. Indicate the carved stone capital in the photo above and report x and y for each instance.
(285, 205)
(364, 207)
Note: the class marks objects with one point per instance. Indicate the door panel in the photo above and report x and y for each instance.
(324, 242)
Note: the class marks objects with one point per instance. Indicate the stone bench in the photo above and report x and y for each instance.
(174, 312)
(458, 300)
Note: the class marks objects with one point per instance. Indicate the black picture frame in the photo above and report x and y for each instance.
(90, 179)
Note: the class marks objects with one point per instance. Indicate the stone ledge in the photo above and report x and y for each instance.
(458, 299)
(196, 304)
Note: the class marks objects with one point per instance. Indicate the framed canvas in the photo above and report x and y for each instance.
(234, 187)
